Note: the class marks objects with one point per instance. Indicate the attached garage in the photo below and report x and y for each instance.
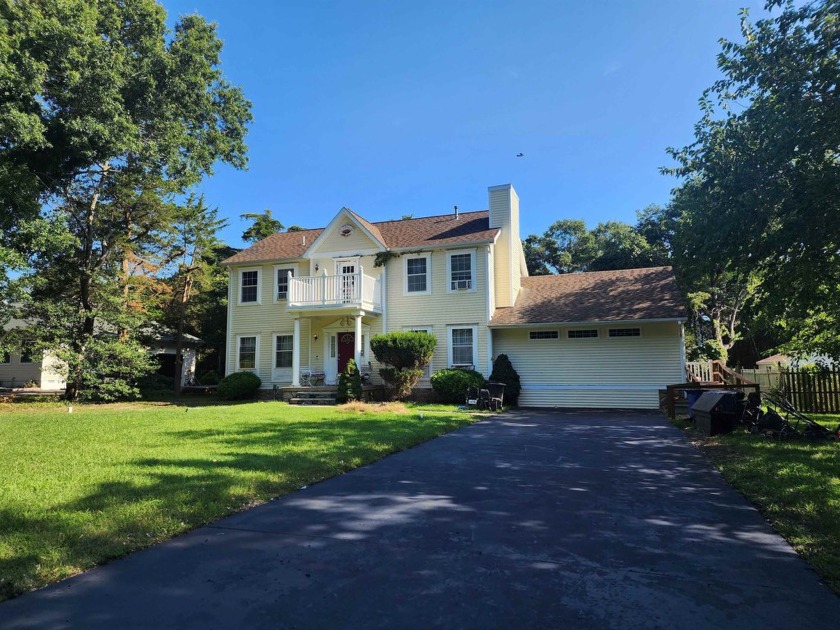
(601, 340)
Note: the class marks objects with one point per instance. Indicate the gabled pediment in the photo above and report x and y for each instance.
(347, 233)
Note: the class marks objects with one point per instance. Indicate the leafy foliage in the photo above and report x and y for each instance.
(763, 174)
(238, 386)
(111, 118)
(452, 385)
(503, 372)
(349, 383)
(407, 353)
(264, 226)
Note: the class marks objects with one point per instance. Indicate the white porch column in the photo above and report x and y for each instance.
(296, 354)
(357, 354)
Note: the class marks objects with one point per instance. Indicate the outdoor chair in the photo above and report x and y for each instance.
(496, 393)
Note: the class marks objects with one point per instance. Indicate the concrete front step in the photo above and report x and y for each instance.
(312, 401)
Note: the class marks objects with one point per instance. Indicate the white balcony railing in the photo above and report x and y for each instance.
(348, 289)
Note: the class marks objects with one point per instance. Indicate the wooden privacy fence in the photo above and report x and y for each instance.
(814, 392)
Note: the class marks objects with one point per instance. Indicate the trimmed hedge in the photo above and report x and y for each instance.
(452, 385)
(407, 353)
(238, 386)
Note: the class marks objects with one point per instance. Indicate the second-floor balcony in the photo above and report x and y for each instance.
(348, 290)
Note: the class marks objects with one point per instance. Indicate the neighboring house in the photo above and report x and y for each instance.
(21, 369)
(774, 362)
(310, 300)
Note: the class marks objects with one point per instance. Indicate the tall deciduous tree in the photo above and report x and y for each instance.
(762, 179)
(113, 119)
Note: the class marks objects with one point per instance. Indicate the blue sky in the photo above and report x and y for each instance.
(409, 107)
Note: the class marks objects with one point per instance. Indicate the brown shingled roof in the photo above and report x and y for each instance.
(598, 296)
(470, 227)
(370, 227)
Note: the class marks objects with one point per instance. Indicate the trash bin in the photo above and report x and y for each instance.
(691, 396)
(716, 412)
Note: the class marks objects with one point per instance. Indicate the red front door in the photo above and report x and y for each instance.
(346, 349)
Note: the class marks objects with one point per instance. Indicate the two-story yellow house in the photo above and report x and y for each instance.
(304, 302)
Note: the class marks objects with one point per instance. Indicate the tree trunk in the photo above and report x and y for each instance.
(179, 340)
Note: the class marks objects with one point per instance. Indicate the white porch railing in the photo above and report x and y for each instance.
(348, 289)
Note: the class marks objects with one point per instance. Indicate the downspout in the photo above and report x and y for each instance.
(491, 280)
(228, 354)
(384, 294)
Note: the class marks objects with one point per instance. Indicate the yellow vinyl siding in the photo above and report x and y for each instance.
(263, 320)
(441, 309)
(604, 372)
(357, 241)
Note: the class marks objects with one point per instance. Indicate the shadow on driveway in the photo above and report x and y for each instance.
(531, 519)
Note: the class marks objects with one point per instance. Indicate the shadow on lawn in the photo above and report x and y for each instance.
(173, 495)
(527, 503)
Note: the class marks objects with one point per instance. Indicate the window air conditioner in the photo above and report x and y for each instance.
(462, 284)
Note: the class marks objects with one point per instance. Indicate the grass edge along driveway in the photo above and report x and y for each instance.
(794, 484)
(79, 489)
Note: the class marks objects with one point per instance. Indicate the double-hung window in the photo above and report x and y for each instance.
(462, 346)
(249, 287)
(283, 351)
(427, 369)
(282, 275)
(461, 270)
(246, 358)
(417, 275)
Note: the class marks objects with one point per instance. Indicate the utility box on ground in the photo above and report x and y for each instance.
(716, 412)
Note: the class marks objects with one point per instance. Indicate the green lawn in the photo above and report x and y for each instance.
(795, 484)
(80, 488)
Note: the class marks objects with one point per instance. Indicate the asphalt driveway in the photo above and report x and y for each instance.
(531, 519)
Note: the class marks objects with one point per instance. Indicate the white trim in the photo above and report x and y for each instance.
(330, 366)
(594, 322)
(428, 258)
(473, 275)
(345, 253)
(240, 271)
(328, 231)
(281, 374)
(384, 284)
(568, 337)
(474, 329)
(551, 386)
(544, 330)
(229, 354)
(639, 336)
(256, 367)
(295, 267)
(347, 259)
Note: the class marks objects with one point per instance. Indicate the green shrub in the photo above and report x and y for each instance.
(349, 383)
(407, 353)
(210, 377)
(155, 383)
(452, 385)
(503, 372)
(404, 349)
(399, 383)
(238, 386)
